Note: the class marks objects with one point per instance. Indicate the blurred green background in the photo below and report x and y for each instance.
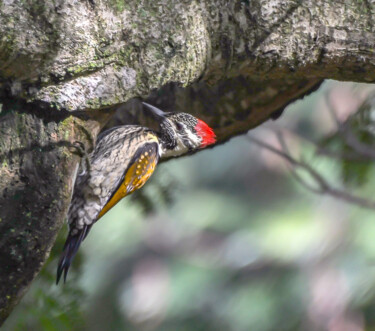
(227, 240)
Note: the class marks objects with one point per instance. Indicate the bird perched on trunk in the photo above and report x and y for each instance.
(123, 160)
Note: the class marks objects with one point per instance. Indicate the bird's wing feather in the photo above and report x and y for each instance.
(112, 157)
(136, 175)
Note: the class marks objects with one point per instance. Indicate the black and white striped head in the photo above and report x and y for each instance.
(181, 132)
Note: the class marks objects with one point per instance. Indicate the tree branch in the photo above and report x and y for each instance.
(349, 137)
(38, 163)
(102, 55)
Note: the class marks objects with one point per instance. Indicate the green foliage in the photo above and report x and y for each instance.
(354, 173)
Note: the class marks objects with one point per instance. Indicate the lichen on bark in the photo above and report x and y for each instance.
(74, 48)
(37, 164)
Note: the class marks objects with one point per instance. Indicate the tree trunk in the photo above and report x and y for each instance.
(65, 65)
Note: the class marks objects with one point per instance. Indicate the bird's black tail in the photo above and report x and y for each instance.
(71, 246)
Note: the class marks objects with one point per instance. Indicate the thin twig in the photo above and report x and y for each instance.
(346, 156)
(293, 168)
(358, 146)
(346, 132)
(295, 163)
(324, 187)
(320, 181)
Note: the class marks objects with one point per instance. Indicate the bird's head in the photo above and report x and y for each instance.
(181, 132)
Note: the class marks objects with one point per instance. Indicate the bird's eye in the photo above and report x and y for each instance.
(179, 126)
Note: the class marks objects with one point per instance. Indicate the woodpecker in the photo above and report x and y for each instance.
(123, 160)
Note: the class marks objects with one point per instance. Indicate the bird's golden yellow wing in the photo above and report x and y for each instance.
(136, 175)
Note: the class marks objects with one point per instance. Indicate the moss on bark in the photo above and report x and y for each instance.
(37, 167)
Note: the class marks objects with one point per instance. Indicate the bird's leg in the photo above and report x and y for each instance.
(81, 151)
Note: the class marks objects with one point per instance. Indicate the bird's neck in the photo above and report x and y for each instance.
(167, 135)
(169, 144)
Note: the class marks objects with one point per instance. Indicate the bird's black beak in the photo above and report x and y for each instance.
(156, 111)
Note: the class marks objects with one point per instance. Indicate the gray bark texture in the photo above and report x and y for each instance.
(66, 65)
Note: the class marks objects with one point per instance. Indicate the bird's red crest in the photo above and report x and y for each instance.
(206, 133)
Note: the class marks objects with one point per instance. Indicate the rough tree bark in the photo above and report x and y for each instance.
(65, 65)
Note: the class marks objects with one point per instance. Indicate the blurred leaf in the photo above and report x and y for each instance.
(361, 125)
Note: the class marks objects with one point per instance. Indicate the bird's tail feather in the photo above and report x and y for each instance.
(71, 247)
